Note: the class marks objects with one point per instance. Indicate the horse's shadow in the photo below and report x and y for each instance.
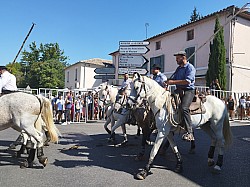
(6, 155)
(98, 152)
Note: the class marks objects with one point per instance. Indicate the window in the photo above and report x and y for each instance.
(158, 45)
(157, 60)
(189, 51)
(76, 74)
(190, 35)
(68, 76)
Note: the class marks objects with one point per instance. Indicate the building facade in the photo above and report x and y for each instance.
(81, 74)
(196, 37)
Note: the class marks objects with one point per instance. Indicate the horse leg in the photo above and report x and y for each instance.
(178, 167)
(108, 120)
(124, 134)
(158, 141)
(206, 127)
(18, 141)
(29, 161)
(138, 130)
(40, 155)
(192, 148)
(220, 144)
(145, 136)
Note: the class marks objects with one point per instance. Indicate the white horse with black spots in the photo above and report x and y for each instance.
(214, 122)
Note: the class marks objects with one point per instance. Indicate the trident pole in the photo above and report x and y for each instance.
(33, 24)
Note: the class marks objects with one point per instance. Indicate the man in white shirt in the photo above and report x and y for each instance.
(7, 81)
(126, 85)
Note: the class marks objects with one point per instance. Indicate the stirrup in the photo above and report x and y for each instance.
(188, 137)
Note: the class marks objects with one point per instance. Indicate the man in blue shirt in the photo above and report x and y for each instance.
(159, 77)
(184, 79)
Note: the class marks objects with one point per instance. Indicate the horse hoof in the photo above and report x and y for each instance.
(141, 175)
(216, 169)
(210, 162)
(178, 168)
(43, 161)
(26, 164)
(191, 151)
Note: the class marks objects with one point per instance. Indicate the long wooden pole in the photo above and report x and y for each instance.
(33, 24)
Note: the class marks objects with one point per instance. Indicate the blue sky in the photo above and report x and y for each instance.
(87, 29)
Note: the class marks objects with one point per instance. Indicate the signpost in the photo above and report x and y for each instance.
(132, 61)
(142, 71)
(133, 50)
(104, 70)
(104, 77)
(105, 73)
(129, 43)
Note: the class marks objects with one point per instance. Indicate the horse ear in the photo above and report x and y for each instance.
(137, 76)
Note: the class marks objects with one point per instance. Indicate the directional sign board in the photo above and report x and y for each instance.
(126, 43)
(132, 61)
(132, 70)
(104, 70)
(133, 50)
(104, 76)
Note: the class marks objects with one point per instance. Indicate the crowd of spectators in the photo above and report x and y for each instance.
(71, 107)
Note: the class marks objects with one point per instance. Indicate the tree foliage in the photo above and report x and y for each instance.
(195, 15)
(217, 58)
(41, 66)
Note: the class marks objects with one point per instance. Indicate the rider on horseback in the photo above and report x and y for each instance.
(184, 78)
(126, 84)
(159, 77)
(7, 81)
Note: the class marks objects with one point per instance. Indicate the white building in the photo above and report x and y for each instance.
(81, 74)
(193, 35)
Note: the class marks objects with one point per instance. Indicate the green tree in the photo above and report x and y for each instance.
(16, 69)
(195, 15)
(217, 57)
(43, 66)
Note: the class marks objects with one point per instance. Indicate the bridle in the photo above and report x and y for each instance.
(142, 87)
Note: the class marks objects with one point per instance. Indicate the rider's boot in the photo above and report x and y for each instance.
(189, 136)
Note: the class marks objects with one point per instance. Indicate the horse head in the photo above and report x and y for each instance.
(138, 91)
(120, 102)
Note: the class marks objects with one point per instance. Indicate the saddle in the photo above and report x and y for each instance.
(196, 107)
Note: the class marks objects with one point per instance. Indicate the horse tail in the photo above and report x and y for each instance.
(227, 133)
(47, 116)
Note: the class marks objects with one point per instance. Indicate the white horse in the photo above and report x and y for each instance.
(214, 122)
(109, 95)
(27, 112)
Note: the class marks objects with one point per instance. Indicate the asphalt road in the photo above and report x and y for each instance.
(97, 163)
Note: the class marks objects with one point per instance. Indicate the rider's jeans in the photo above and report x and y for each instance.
(186, 101)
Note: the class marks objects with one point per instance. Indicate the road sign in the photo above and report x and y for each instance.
(133, 50)
(104, 70)
(132, 61)
(104, 76)
(133, 43)
(132, 70)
